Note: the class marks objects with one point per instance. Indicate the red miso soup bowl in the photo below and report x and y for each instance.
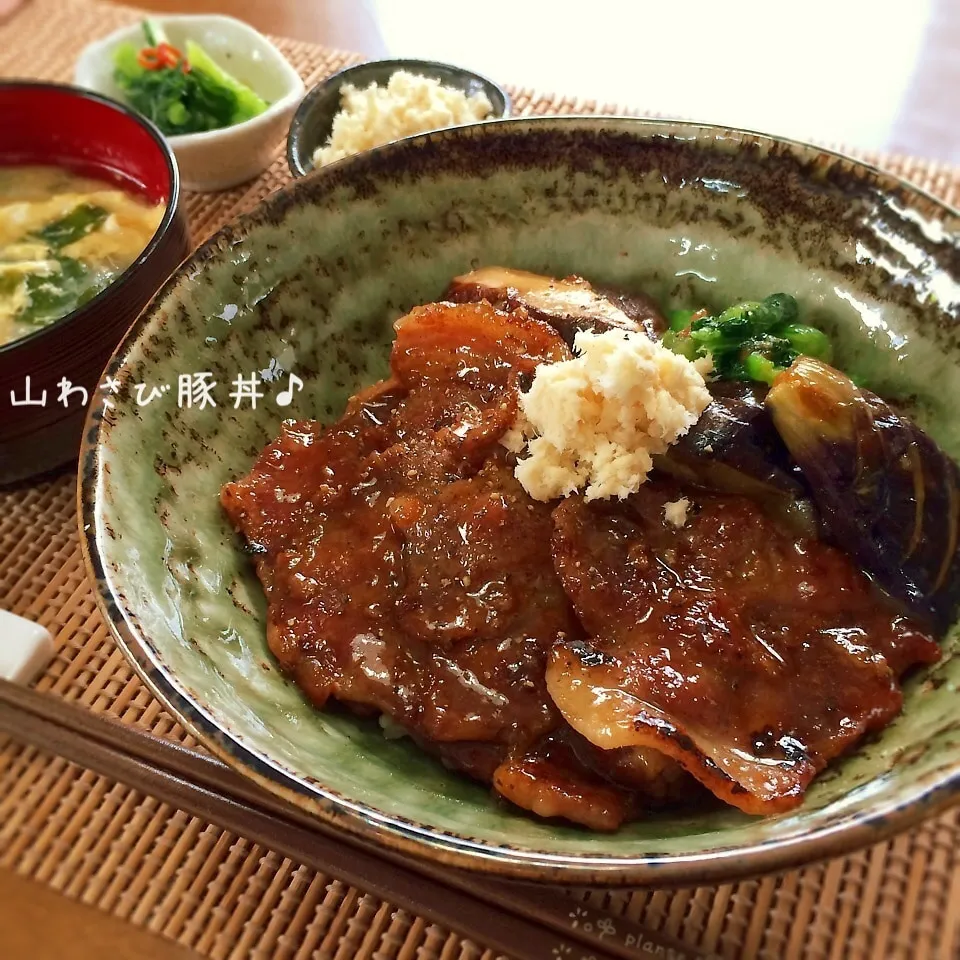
(41, 420)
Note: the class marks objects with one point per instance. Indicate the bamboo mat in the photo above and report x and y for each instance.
(226, 897)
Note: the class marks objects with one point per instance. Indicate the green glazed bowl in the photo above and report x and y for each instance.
(310, 283)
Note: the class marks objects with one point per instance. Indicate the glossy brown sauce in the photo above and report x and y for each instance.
(585, 661)
(750, 656)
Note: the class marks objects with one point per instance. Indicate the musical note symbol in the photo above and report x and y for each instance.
(285, 397)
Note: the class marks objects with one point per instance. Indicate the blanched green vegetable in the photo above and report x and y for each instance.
(752, 341)
(680, 319)
(54, 295)
(178, 102)
(248, 104)
(887, 494)
(808, 341)
(181, 93)
(74, 226)
(154, 33)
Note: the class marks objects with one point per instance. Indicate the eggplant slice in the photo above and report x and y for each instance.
(887, 494)
(734, 448)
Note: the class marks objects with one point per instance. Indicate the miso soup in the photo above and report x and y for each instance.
(63, 239)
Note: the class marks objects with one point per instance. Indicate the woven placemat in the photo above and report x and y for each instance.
(227, 897)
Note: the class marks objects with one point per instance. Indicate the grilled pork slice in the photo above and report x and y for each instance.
(406, 569)
(750, 656)
(409, 574)
(569, 305)
(550, 780)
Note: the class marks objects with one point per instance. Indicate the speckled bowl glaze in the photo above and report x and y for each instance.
(310, 283)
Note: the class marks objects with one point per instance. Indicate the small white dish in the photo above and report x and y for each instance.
(220, 158)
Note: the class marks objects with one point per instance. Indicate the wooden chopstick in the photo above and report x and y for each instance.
(526, 922)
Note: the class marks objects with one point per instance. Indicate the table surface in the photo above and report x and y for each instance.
(36, 924)
(882, 76)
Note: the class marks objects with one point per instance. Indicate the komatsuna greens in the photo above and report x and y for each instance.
(751, 341)
(181, 92)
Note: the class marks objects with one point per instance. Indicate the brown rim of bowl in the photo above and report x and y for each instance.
(916, 803)
(173, 202)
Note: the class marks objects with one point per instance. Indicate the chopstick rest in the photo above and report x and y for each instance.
(26, 648)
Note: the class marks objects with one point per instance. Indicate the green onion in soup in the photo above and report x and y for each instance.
(63, 239)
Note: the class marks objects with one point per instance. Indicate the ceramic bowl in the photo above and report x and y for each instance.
(310, 283)
(220, 158)
(313, 122)
(52, 124)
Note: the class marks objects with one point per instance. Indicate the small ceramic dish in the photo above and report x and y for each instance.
(310, 283)
(62, 126)
(313, 121)
(221, 158)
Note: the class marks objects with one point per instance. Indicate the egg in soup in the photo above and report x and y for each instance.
(63, 239)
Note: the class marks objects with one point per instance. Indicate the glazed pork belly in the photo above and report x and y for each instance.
(751, 656)
(592, 660)
(409, 574)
